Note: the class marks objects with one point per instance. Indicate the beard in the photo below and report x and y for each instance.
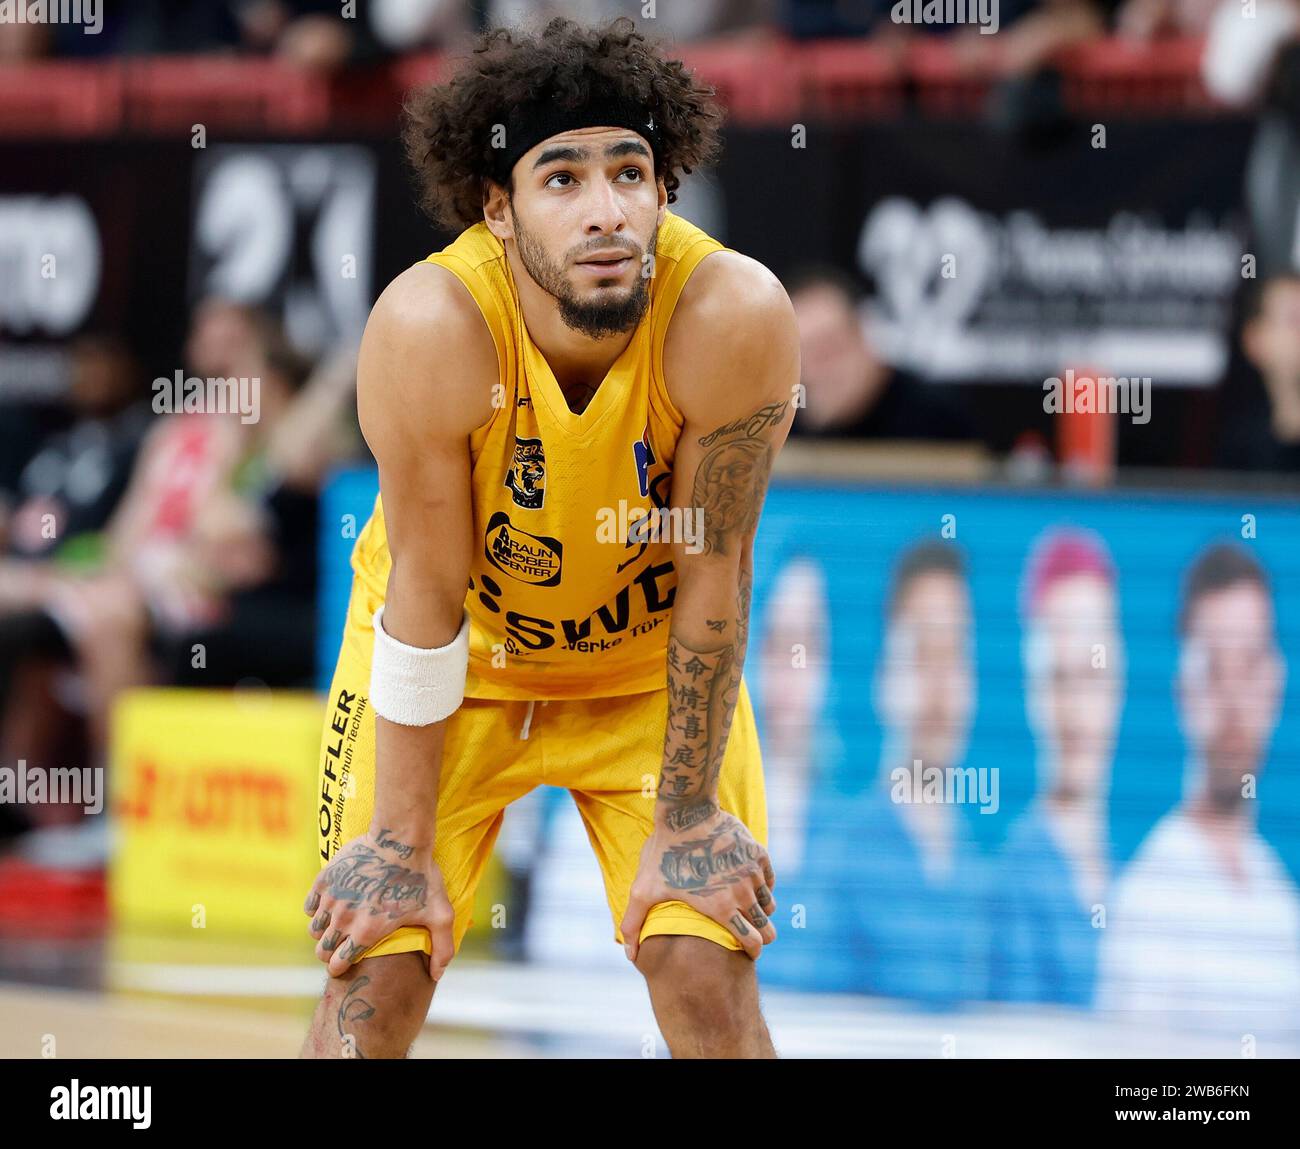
(597, 318)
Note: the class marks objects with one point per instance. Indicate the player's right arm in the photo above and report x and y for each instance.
(425, 380)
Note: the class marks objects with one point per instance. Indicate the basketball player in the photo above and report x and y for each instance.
(577, 358)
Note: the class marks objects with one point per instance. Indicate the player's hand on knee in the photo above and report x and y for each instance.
(701, 855)
(374, 885)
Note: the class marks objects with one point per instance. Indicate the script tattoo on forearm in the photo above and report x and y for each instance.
(703, 866)
(704, 680)
(703, 688)
(732, 477)
(365, 880)
(699, 715)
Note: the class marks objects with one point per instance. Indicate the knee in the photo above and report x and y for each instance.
(374, 1010)
(698, 978)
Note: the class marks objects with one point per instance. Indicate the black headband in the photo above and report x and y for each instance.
(528, 124)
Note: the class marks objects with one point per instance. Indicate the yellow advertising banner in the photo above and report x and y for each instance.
(212, 798)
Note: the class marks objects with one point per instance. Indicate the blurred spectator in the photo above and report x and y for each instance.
(1262, 431)
(895, 891)
(208, 568)
(1252, 61)
(1204, 925)
(1150, 19)
(405, 25)
(68, 489)
(802, 751)
(679, 21)
(310, 33)
(1241, 50)
(1031, 33)
(799, 750)
(1028, 32)
(850, 393)
(1054, 870)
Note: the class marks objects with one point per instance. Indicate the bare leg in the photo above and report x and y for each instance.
(112, 646)
(705, 997)
(31, 725)
(375, 1010)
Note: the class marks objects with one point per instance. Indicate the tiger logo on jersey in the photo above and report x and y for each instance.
(526, 477)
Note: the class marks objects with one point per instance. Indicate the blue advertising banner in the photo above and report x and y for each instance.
(1030, 746)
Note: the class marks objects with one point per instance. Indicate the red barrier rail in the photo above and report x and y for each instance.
(764, 79)
(61, 99)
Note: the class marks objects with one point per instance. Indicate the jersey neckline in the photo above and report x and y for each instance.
(602, 402)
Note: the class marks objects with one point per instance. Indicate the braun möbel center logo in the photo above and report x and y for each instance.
(529, 558)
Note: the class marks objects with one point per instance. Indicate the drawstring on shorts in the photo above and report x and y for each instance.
(528, 718)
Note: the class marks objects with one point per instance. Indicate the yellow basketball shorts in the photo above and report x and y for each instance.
(606, 751)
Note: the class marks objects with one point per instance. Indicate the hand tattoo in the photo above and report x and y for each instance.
(363, 879)
(704, 866)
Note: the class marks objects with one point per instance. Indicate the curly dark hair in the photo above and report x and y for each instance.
(448, 128)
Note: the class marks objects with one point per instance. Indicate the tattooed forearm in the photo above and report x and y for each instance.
(704, 679)
(699, 716)
(401, 849)
(703, 688)
(692, 814)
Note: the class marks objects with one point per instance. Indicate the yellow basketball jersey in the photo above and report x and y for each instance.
(568, 597)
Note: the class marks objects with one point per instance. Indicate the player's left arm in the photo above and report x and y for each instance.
(731, 358)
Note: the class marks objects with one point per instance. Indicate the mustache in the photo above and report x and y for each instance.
(608, 253)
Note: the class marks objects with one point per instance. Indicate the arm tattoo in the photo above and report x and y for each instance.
(732, 477)
(699, 716)
(401, 849)
(703, 688)
(704, 683)
(752, 425)
(690, 814)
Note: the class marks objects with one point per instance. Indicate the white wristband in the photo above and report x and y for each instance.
(415, 685)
